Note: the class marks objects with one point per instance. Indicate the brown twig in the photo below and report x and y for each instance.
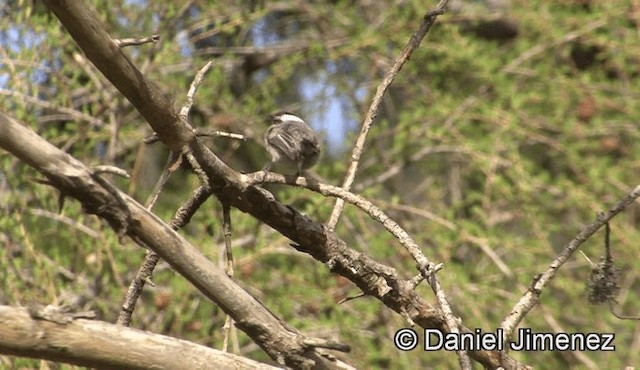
(136, 40)
(512, 67)
(531, 298)
(201, 132)
(180, 218)
(197, 81)
(409, 48)
(112, 170)
(151, 258)
(226, 226)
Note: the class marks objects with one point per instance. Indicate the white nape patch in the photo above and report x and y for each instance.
(290, 118)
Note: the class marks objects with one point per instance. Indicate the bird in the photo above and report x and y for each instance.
(292, 142)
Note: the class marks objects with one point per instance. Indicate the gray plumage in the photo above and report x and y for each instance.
(292, 142)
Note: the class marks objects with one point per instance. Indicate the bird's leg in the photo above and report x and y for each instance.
(266, 169)
(299, 172)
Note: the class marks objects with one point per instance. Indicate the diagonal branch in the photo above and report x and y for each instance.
(92, 343)
(531, 298)
(82, 24)
(130, 218)
(412, 45)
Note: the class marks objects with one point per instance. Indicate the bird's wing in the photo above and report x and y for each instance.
(285, 142)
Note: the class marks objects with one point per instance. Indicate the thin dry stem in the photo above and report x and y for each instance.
(531, 298)
(410, 47)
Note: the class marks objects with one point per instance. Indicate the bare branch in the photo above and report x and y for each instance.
(426, 268)
(410, 47)
(195, 84)
(126, 215)
(226, 228)
(512, 67)
(531, 298)
(424, 265)
(136, 40)
(201, 131)
(66, 338)
(65, 220)
(82, 24)
(112, 170)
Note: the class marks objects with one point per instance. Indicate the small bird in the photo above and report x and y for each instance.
(292, 142)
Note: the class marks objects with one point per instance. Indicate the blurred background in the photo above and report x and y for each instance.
(504, 134)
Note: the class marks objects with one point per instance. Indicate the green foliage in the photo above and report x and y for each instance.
(505, 149)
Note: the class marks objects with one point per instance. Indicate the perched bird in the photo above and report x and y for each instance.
(292, 142)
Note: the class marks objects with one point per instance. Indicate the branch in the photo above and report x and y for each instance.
(427, 269)
(136, 40)
(82, 24)
(423, 263)
(201, 132)
(151, 258)
(127, 217)
(98, 344)
(410, 47)
(195, 84)
(531, 298)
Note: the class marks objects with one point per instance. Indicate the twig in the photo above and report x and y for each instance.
(573, 356)
(612, 307)
(180, 218)
(71, 113)
(531, 298)
(200, 131)
(151, 258)
(412, 44)
(136, 40)
(173, 163)
(511, 67)
(112, 170)
(226, 227)
(197, 80)
(66, 220)
(351, 298)
(396, 168)
(135, 288)
(452, 321)
(186, 211)
(324, 343)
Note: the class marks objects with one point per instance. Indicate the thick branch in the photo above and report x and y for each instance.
(130, 218)
(98, 344)
(80, 21)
